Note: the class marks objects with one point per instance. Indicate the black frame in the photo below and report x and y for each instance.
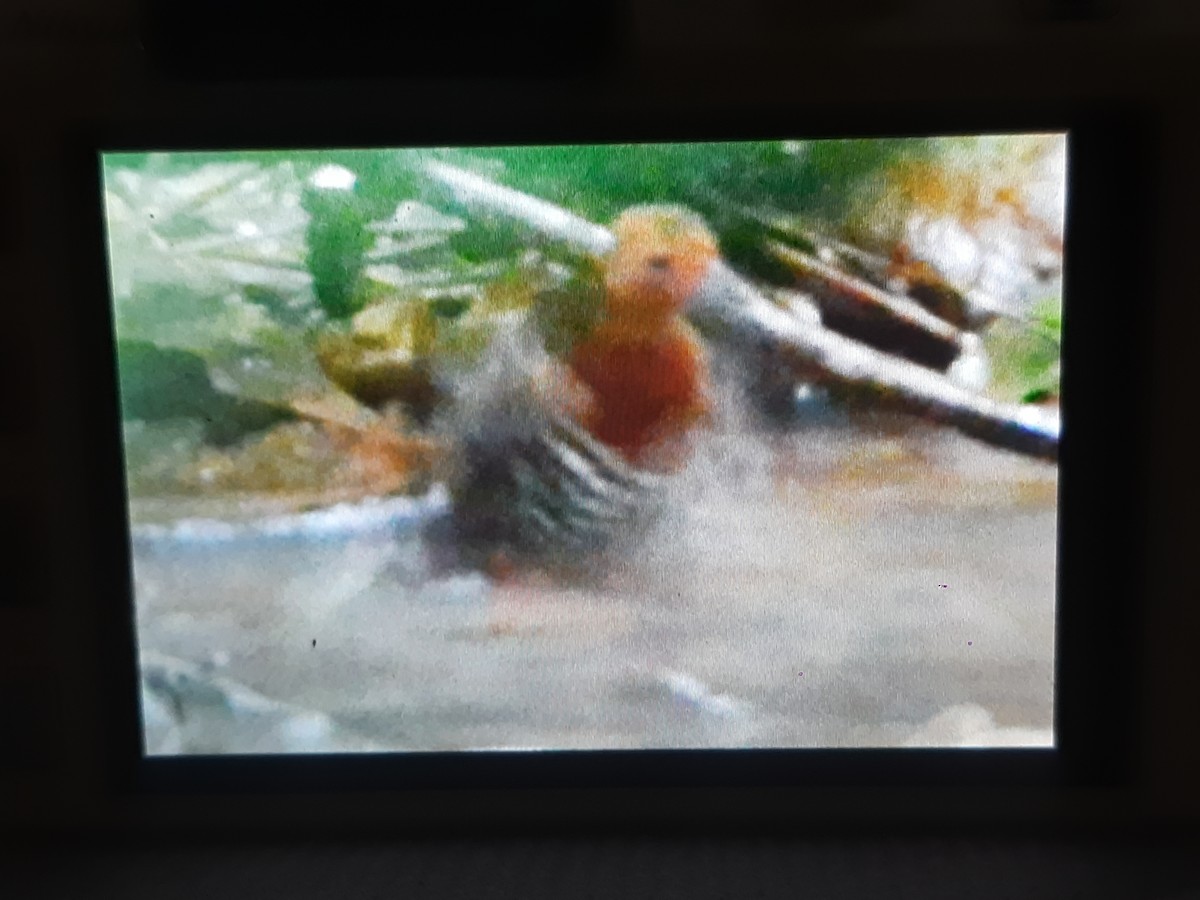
(1100, 516)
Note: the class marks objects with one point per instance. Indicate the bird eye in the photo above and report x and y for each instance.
(659, 263)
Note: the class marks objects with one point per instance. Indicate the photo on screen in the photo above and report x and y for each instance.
(621, 446)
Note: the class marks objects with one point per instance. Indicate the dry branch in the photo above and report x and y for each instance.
(831, 286)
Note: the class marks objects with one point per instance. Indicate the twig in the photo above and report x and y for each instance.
(727, 307)
(553, 221)
(832, 286)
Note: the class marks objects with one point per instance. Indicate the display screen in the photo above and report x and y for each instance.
(621, 446)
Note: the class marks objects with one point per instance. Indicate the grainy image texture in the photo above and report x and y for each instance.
(620, 446)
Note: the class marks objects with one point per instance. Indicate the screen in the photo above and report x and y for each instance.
(623, 446)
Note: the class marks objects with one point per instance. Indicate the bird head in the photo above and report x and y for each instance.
(661, 257)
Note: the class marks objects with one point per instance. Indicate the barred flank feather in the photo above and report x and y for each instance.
(529, 480)
(558, 496)
(574, 493)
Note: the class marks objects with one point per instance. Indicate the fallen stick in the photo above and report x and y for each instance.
(831, 286)
(727, 307)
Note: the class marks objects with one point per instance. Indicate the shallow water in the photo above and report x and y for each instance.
(846, 585)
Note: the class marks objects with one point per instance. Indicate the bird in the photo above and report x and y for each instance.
(568, 430)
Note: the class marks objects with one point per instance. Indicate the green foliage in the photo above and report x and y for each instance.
(734, 186)
(719, 180)
(567, 313)
(160, 385)
(1026, 355)
(338, 240)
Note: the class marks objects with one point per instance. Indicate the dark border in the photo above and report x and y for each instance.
(1103, 465)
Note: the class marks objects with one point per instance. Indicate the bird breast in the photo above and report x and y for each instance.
(645, 393)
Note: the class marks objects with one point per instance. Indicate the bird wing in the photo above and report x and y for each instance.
(527, 475)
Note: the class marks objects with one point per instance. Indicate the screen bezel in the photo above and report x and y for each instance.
(1097, 662)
